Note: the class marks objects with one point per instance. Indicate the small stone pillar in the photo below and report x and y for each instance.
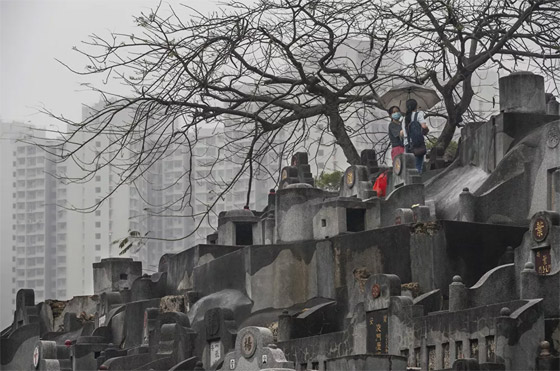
(552, 106)
(545, 360)
(529, 282)
(467, 206)
(285, 326)
(507, 257)
(271, 199)
(458, 299)
(505, 329)
(522, 92)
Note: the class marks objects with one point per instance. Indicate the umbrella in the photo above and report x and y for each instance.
(397, 96)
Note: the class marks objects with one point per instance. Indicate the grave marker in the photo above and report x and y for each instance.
(377, 332)
(542, 261)
(220, 334)
(254, 351)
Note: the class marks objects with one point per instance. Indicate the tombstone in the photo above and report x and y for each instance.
(26, 312)
(542, 248)
(368, 159)
(47, 355)
(175, 338)
(378, 291)
(404, 172)
(149, 327)
(220, 331)
(356, 182)
(254, 350)
(299, 171)
(86, 350)
(107, 302)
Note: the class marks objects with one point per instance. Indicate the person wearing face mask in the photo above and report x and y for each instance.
(396, 133)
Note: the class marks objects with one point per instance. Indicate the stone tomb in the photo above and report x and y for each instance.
(220, 330)
(298, 172)
(378, 291)
(356, 182)
(115, 274)
(537, 265)
(404, 172)
(339, 215)
(254, 350)
(238, 228)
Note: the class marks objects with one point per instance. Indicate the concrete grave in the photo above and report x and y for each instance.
(254, 350)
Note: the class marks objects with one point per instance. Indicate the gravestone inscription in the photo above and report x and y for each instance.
(377, 341)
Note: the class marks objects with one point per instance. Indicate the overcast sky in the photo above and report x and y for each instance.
(35, 32)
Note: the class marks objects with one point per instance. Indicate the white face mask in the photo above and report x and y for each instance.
(396, 116)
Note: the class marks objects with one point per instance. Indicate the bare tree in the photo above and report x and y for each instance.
(277, 73)
(451, 40)
(268, 76)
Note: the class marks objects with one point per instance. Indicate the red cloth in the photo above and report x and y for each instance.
(396, 151)
(380, 185)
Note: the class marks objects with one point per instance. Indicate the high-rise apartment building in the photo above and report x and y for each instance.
(9, 133)
(30, 249)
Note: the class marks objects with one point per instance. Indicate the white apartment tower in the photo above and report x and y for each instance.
(36, 255)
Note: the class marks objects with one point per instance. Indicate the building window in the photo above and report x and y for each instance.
(97, 224)
(97, 247)
(97, 212)
(98, 236)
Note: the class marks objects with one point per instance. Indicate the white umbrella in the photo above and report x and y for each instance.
(397, 96)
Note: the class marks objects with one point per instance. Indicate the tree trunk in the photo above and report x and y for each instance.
(446, 134)
(338, 129)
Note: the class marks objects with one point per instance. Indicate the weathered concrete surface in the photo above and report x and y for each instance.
(180, 266)
(444, 249)
(522, 92)
(295, 209)
(445, 188)
(17, 349)
(367, 362)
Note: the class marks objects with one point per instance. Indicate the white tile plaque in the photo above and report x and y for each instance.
(215, 352)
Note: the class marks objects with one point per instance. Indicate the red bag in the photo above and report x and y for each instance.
(380, 185)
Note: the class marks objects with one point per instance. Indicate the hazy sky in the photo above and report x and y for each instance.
(35, 32)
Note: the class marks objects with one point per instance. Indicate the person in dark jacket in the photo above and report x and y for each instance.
(412, 113)
(396, 134)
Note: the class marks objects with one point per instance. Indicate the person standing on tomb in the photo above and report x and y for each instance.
(396, 133)
(415, 128)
